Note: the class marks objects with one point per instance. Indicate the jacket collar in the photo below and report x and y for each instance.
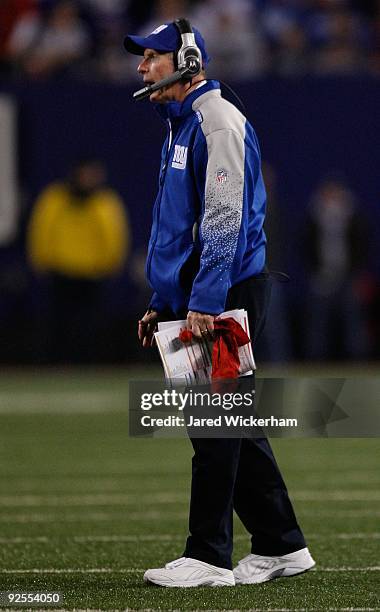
(178, 110)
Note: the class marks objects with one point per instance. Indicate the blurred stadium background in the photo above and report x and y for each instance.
(84, 509)
(308, 73)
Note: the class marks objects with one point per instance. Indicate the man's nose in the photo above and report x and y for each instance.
(141, 68)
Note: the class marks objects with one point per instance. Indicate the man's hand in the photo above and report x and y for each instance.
(200, 324)
(147, 327)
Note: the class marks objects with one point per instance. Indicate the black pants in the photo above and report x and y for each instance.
(240, 474)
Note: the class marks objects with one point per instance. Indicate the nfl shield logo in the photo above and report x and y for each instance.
(221, 176)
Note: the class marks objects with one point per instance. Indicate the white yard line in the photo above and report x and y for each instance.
(72, 479)
(61, 402)
(25, 540)
(350, 536)
(274, 610)
(339, 513)
(370, 568)
(338, 495)
(79, 517)
(80, 570)
(136, 570)
(166, 497)
(100, 499)
(167, 537)
(86, 517)
(153, 515)
(253, 610)
(205, 610)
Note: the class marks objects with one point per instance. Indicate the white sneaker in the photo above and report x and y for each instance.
(256, 568)
(186, 572)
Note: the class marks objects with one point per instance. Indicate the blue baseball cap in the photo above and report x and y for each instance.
(165, 38)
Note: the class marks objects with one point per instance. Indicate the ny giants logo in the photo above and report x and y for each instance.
(179, 157)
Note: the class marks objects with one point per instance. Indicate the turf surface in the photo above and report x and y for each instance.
(84, 509)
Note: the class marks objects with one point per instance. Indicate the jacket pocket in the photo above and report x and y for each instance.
(165, 268)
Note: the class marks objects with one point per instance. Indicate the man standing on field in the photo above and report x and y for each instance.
(206, 255)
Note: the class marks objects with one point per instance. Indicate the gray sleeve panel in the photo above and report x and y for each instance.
(224, 129)
(219, 114)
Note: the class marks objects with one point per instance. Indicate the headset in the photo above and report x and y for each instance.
(188, 61)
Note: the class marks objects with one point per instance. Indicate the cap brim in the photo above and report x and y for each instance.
(138, 44)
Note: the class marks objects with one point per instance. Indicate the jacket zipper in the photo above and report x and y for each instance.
(162, 178)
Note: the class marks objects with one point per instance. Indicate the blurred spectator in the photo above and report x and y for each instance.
(162, 11)
(341, 40)
(292, 55)
(110, 10)
(336, 256)
(112, 63)
(276, 341)
(375, 47)
(220, 21)
(78, 236)
(369, 8)
(51, 46)
(111, 23)
(327, 19)
(245, 38)
(108, 22)
(142, 293)
(139, 13)
(234, 38)
(11, 11)
(277, 17)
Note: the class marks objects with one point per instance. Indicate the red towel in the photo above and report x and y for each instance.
(229, 335)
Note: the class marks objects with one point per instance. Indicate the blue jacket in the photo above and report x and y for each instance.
(207, 231)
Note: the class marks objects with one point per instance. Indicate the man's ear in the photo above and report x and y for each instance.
(175, 60)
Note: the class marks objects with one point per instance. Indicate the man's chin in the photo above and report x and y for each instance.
(157, 96)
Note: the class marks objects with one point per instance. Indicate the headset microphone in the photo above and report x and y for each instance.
(188, 61)
(149, 89)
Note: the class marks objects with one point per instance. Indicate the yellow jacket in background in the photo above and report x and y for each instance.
(87, 238)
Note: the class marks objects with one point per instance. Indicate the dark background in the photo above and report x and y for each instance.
(308, 128)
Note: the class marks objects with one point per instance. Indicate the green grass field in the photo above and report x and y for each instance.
(84, 509)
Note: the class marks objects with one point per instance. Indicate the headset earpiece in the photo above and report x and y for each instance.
(187, 62)
(189, 57)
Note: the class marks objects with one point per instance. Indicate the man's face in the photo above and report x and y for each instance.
(154, 67)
